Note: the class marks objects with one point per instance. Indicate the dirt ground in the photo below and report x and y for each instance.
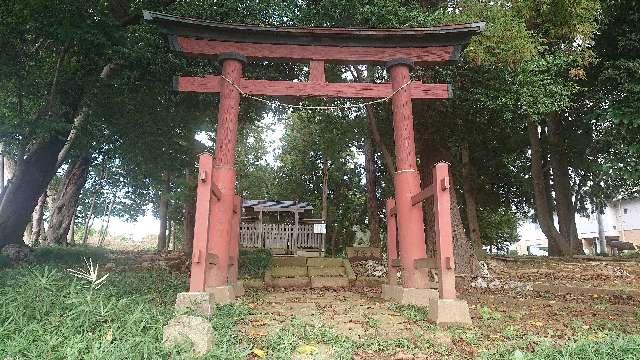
(528, 300)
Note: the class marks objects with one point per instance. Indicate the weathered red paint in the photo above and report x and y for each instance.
(316, 71)
(204, 199)
(444, 234)
(213, 84)
(407, 183)
(234, 245)
(224, 174)
(303, 53)
(392, 243)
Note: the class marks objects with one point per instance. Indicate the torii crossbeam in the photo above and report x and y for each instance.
(215, 258)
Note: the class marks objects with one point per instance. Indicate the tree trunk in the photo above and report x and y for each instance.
(470, 200)
(169, 234)
(163, 210)
(104, 231)
(1, 172)
(189, 217)
(325, 188)
(88, 218)
(37, 232)
(602, 240)
(30, 180)
(562, 187)
(544, 214)
(71, 240)
(66, 200)
(372, 197)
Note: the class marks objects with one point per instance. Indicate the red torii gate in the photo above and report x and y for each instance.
(214, 269)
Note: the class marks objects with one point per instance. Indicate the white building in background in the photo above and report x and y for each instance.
(621, 222)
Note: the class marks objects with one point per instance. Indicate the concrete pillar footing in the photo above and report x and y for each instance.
(201, 303)
(408, 296)
(222, 294)
(449, 312)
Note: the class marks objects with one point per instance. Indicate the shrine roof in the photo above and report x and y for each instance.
(446, 35)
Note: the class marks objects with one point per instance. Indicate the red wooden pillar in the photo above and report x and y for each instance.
(392, 243)
(200, 259)
(224, 174)
(444, 233)
(234, 248)
(406, 179)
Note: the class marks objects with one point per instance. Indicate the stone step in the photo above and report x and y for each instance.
(289, 271)
(327, 271)
(288, 261)
(325, 262)
(297, 282)
(332, 282)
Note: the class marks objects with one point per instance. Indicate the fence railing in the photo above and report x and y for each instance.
(280, 236)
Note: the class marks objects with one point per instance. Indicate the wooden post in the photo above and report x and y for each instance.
(392, 243)
(406, 180)
(201, 228)
(234, 246)
(295, 231)
(444, 234)
(224, 174)
(261, 239)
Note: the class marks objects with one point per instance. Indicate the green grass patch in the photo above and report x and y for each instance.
(607, 346)
(69, 256)
(411, 312)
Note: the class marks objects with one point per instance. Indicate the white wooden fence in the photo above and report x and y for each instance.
(280, 236)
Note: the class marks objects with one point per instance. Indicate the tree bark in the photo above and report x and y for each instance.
(163, 211)
(37, 232)
(377, 139)
(29, 182)
(66, 200)
(372, 197)
(562, 186)
(602, 240)
(71, 240)
(169, 234)
(1, 172)
(189, 217)
(470, 200)
(544, 214)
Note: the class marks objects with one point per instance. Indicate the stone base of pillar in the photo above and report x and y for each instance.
(222, 294)
(202, 303)
(449, 312)
(238, 289)
(408, 296)
(190, 329)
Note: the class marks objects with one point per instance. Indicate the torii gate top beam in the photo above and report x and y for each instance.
(344, 45)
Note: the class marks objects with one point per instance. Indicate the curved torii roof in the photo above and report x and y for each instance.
(454, 36)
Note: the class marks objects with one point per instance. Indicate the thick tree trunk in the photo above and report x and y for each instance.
(562, 187)
(66, 200)
(189, 217)
(372, 197)
(163, 210)
(29, 182)
(602, 240)
(544, 213)
(470, 200)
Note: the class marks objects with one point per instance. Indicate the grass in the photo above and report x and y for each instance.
(48, 314)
